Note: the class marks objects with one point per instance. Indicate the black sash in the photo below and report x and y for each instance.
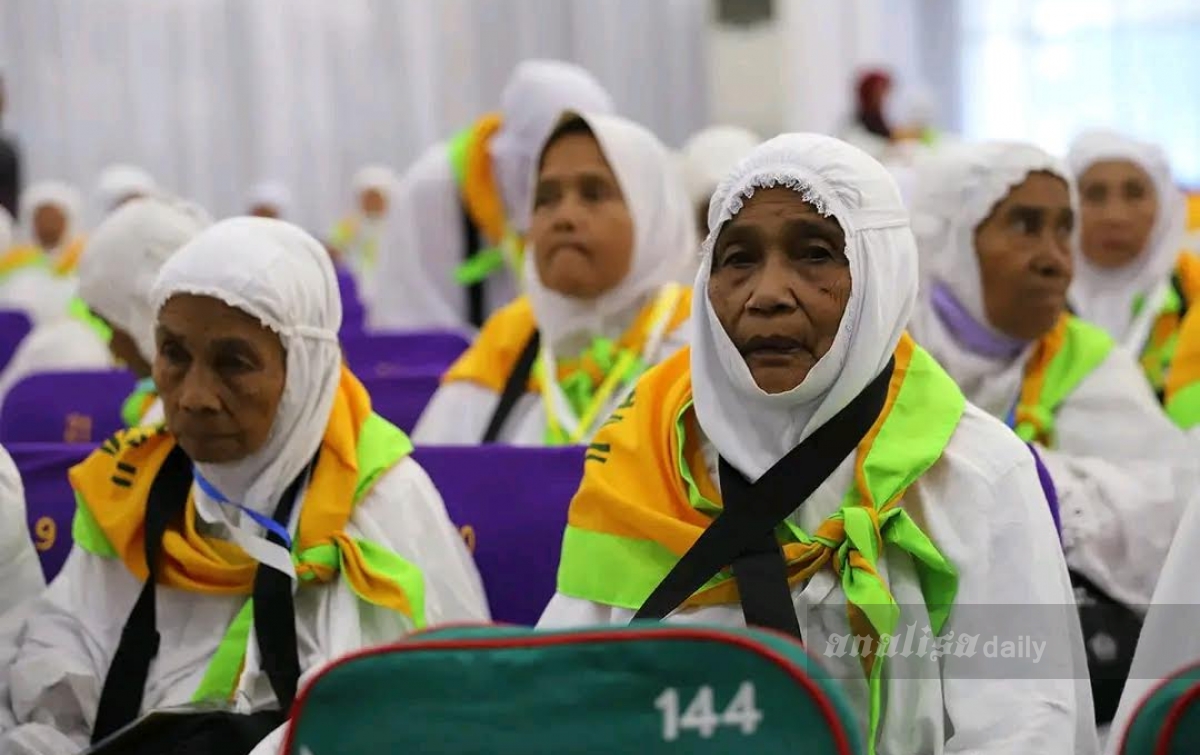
(743, 534)
(475, 311)
(514, 388)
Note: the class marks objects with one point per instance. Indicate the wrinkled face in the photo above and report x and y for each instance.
(49, 224)
(263, 210)
(1118, 208)
(1024, 251)
(779, 285)
(220, 373)
(581, 229)
(373, 203)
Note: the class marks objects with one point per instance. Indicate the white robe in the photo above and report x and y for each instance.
(66, 647)
(423, 245)
(64, 345)
(982, 506)
(20, 570)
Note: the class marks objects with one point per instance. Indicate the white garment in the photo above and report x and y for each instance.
(123, 256)
(118, 183)
(63, 345)
(63, 196)
(426, 242)
(1169, 640)
(273, 194)
(283, 277)
(982, 505)
(751, 428)
(663, 240)
(6, 230)
(1122, 470)
(709, 155)
(20, 569)
(1106, 297)
(67, 645)
(38, 292)
(369, 234)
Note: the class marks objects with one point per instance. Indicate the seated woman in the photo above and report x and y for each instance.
(1133, 280)
(116, 273)
(269, 441)
(50, 219)
(610, 232)
(899, 503)
(357, 237)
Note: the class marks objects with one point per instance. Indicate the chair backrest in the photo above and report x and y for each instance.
(49, 500)
(511, 505)
(65, 407)
(1167, 720)
(400, 399)
(14, 326)
(383, 354)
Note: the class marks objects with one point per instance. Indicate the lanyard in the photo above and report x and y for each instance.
(552, 395)
(265, 522)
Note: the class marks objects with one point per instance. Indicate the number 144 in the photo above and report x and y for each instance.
(701, 717)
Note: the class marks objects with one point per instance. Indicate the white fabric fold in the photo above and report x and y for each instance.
(709, 155)
(119, 182)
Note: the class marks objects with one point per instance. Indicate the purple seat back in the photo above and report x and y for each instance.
(511, 504)
(14, 326)
(384, 354)
(71, 407)
(49, 500)
(1048, 488)
(400, 399)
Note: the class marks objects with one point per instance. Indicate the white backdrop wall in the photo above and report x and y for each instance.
(214, 95)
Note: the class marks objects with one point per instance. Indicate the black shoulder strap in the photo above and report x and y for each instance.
(743, 534)
(475, 311)
(1177, 284)
(274, 613)
(514, 387)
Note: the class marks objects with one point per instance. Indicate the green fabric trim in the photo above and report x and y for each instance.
(131, 410)
(381, 446)
(379, 559)
(479, 266)
(1184, 407)
(221, 678)
(1084, 349)
(78, 309)
(456, 150)
(87, 533)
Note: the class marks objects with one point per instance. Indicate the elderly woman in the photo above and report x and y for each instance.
(610, 232)
(808, 442)
(994, 224)
(454, 245)
(271, 468)
(1132, 278)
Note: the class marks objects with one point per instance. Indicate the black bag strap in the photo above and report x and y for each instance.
(743, 534)
(274, 612)
(475, 313)
(514, 387)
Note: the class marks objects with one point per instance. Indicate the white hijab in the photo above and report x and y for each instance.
(280, 275)
(118, 182)
(6, 230)
(664, 238)
(750, 428)
(954, 191)
(378, 177)
(1106, 297)
(709, 155)
(537, 93)
(63, 196)
(123, 257)
(274, 194)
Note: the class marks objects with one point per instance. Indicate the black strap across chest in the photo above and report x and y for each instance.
(475, 305)
(514, 388)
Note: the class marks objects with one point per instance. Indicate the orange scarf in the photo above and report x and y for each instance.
(480, 193)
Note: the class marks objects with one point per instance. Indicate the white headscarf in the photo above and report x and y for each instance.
(123, 257)
(664, 238)
(750, 428)
(1106, 297)
(280, 275)
(6, 230)
(272, 194)
(117, 182)
(63, 196)
(709, 155)
(379, 177)
(954, 192)
(537, 93)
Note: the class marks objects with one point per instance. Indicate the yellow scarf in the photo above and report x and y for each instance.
(493, 356)
(113, 484)
(67, 260)
(20, 256)
(480, 193)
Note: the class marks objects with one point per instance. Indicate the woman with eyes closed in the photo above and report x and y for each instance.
(272, 480)
(895, 503)
(610, 234)
(994, 223)
(1132, 277)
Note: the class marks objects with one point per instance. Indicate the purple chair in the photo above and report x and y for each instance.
(400, 399)
(347, 287)
(511, 505)
(49, 500)
(400, 353)
(14, 326)
(70, 407)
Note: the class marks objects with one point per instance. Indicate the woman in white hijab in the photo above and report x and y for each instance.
(808, 278)
(453, 246)
(264, 417)
(358, 236)
(270, 199)
(1133, 278)
(119, 184)
(610, 232)
(50, 225)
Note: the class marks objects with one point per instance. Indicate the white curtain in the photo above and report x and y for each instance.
(212, 96)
